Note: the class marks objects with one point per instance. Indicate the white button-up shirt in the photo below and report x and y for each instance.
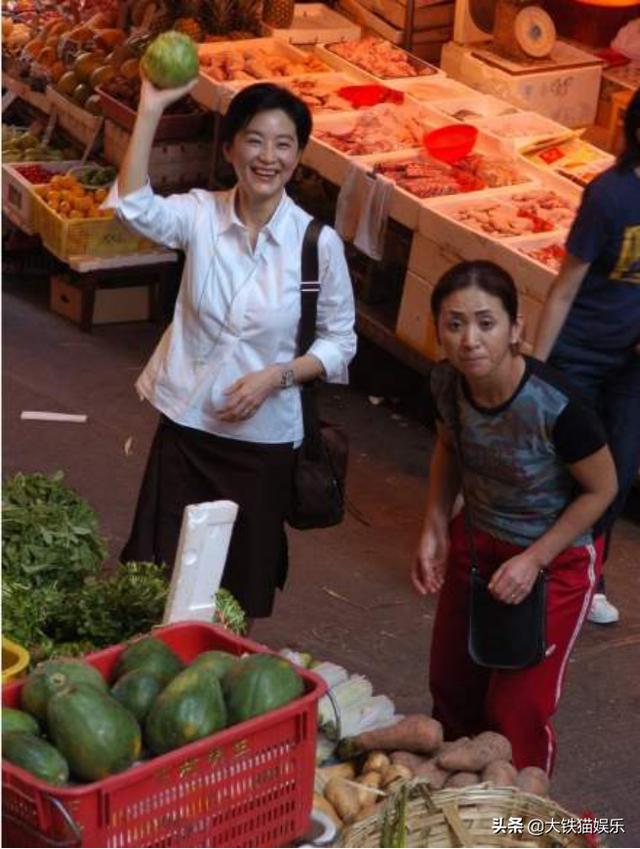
(238, 309)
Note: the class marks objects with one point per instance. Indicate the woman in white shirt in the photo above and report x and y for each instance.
(225, 374)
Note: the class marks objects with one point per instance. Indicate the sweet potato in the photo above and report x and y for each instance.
(409, 759)
(396, 772)
(368, 779)
(500, 774)
(376, 762)
(430, 772)
(320, 803)
(462, 779)
(344, 798)
(476, 754)
(532, 779)
(415, 733)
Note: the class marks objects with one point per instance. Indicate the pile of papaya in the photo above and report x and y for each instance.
(74, 726)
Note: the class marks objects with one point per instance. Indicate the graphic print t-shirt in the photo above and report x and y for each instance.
(515, 456)
(606, 233)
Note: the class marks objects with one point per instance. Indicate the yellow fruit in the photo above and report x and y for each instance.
(101, 75)
(86, 64)
(130, 69)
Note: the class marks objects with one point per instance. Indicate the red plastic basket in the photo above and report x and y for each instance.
(249, 785)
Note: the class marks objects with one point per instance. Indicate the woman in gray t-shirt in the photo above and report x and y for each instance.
(537, 474)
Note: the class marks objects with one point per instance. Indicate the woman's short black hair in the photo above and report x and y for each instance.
(482, 274)
(260, 98)
(630, 156)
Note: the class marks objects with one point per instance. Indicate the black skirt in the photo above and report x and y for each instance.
(189, 466)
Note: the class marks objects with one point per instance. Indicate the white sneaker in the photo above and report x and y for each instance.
(602, 612)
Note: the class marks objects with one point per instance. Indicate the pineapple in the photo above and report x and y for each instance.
(248, 15)
(221, 16)
(191, 27)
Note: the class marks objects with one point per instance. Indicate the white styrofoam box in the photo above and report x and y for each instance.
(315, 23)
(208, 90)
(568, 94)
(18, 192)
(431, 259)
(532, 277)
(530, 311)
(436, 219)
(327, 55)
(522, 129)
(426, 89)
(415, 326)
(475, 105)
(339, 80)
(333, 164)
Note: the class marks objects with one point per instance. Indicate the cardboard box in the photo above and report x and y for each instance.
(110, 306)
(415, 325)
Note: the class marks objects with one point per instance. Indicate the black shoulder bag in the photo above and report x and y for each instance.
(320, 469)
(501, 636)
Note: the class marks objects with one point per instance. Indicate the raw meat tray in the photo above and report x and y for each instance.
(429, 89)
(470, 109)
(424, 69)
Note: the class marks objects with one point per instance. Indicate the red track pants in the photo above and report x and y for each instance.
(468, 698)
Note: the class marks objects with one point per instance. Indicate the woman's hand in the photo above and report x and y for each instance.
(512, 582)
(247, 394)
(153, 101)
(427, 573)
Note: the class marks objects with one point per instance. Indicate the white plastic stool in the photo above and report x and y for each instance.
(202, 552)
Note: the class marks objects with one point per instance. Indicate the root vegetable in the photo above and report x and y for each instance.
(462, 779)
(366, 811)
(476, 754)
(344, 798)
(430, 772)
(376, 762)
(500, 774)
(396, 772)
(326, 773)
(532, 779)
(409, 759)
(324, 805)
(369, 779)
(417, 733)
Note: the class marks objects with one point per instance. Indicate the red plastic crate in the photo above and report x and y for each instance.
(248, 785)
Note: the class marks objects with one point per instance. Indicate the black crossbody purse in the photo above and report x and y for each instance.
(320, 471)
(501, 636)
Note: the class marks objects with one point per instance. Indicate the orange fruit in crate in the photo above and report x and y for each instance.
(57, 181)
(65, 207)
(75, 214)
(53, 194)
(81, 203)
(53, 204)
(42, 191)
(99, 195)
(68, 182)
(66, 195)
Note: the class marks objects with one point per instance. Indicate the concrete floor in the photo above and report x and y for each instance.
(348, 598)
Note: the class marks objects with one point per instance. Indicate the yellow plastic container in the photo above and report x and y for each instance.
(15, 660)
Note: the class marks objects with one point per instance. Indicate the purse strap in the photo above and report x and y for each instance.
(468, 524)
(309, 292)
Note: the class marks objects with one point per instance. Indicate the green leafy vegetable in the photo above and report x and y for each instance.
(229, 614)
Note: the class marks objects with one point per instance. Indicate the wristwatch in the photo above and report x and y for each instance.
(287, 378)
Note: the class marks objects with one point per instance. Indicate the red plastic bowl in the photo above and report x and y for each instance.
(370, 95)
(450, 143)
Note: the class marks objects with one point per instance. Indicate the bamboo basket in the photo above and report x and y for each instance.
(467, 817)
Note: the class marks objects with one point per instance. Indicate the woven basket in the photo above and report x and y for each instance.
(467, 817)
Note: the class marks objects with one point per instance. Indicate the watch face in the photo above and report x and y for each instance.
(287, 378)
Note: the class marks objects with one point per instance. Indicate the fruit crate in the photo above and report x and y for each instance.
(78, 122)
(248, 785)
(101, 237)
(15, 660)
(18, 192)
(170, 127)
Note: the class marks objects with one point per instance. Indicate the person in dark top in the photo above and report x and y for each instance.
(536, 474)
(590, 326)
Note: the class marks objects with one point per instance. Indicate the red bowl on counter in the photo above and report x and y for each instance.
(450, 143)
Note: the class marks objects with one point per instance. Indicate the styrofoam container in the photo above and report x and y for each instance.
(208, 91)
(334, 164)
(338, 80)
(325, 52)
(468, 110)
(427, 89)
(522, 129)
(315, 23)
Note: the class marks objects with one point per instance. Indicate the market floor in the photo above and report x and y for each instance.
(348, 599)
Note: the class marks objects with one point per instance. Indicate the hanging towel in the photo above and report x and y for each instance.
(362, 209)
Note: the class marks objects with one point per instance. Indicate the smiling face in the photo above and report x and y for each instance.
(264, 155)
(477, 334)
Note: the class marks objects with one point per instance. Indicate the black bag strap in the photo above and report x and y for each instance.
(309, 292)
(457, 431)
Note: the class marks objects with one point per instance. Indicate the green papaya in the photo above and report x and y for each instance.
(137, 690)
(36, 756)
(190, 707)
(54, 675)
(259, 683)
(216, 662)
(95, 733)
(153, 656)
(18, 720)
